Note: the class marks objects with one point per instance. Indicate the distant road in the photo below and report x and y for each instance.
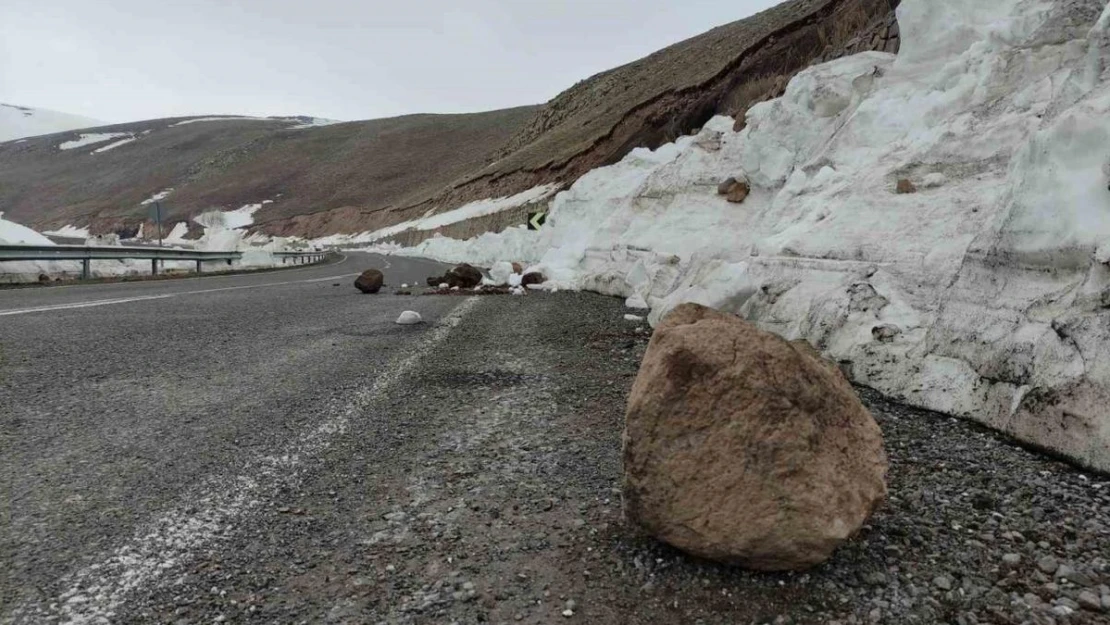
(214, 288)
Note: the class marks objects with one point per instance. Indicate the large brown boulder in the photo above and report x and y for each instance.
(370, 281)
(744, 448)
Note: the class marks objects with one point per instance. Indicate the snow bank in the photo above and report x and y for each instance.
(12, 233)
(985, 294)
(431, 221)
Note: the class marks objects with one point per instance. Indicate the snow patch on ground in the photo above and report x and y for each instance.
(985, 294)
(479, 208)
(157, 197)
(315, 122)
(114, 145)
(224, 118)
(233, 219)
(90, 138)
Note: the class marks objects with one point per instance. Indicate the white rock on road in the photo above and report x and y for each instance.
(409, 318)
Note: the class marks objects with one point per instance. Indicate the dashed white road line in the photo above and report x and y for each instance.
(143, 298)
(96, 592)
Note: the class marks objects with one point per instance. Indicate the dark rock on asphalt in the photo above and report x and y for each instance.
(370, 281)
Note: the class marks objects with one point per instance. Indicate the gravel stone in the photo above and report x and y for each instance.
(1048, 564)
(1090, 601)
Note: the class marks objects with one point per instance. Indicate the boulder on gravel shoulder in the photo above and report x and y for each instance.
(743, 448)
(370, 281)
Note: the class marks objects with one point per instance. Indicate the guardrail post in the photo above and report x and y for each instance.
(154, 266)
(86, 271)
(198, 266)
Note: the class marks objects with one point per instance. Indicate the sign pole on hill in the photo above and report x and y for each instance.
(158, 211)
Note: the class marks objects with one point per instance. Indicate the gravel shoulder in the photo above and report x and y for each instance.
(484, 487)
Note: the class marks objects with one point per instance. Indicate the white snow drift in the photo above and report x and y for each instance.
(432, 221)
(985, 294)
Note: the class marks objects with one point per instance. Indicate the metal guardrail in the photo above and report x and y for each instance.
(87, 254)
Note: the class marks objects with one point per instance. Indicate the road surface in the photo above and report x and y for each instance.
(272, 448)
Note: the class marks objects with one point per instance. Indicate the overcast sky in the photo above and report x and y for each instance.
(125, 60)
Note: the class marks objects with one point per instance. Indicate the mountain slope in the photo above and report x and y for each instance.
(18, 122)
(353, 168)
(363, 176)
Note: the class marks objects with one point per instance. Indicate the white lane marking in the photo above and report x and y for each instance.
(143, 298)
(95, 593)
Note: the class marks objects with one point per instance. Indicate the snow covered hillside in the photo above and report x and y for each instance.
(986, 293)
(17, 122)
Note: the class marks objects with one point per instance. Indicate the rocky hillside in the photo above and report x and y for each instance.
(350, 168)
(361, 176)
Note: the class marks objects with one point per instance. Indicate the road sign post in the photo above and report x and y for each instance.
(155, 213)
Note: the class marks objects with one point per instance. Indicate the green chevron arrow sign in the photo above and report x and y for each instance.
(536, 220)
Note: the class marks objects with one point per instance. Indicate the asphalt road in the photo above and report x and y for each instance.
(115, 399)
